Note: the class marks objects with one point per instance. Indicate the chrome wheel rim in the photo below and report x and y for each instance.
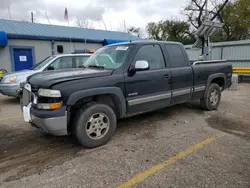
(97, 126)
(214, 97)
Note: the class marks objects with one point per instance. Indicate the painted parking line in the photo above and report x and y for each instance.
(171, 160)
(12, 117)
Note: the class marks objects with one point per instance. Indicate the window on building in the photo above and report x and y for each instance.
(60, 49)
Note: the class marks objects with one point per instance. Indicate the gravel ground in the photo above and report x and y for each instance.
(29, 158)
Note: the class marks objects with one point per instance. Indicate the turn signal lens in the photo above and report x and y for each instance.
(55, 105)
(49, 106)
(91, 51)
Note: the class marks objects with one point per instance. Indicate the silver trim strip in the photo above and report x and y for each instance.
(182, 92)
(200, 88)
(165, 95)
(149, 99)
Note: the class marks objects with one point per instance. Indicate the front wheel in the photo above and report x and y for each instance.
(95, 125)
(212, 97)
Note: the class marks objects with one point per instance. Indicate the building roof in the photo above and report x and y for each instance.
(27, 30)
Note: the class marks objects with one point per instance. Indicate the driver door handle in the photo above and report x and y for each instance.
(167, 76)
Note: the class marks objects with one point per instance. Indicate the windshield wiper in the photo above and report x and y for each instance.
(96, 66)
(82, 66)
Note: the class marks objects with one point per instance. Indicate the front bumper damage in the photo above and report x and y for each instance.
(53, 123)
(49, 121)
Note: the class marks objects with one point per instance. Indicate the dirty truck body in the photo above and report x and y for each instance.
(118, 81)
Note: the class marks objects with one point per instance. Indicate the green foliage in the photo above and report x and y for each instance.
(170, 30)
(236, 17)
(235, 14)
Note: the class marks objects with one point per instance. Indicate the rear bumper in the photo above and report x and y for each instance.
(52, 122)
(10, 89)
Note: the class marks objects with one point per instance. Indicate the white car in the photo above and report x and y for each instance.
(10, 83)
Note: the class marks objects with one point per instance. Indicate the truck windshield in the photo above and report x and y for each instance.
(42, 63)
(111, 57)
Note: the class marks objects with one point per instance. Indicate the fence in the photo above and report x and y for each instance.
(235, 52)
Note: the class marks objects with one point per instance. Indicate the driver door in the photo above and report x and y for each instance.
(148, 89)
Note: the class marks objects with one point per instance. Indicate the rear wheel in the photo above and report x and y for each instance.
(212, 97)
(95, 125)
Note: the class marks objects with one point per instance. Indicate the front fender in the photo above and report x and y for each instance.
(99, 91)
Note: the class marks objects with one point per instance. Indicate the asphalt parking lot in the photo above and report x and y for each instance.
(181, 146)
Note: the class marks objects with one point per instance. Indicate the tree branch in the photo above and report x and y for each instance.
(194, 1)
(191, 21)
(200, 14)
(220, 9)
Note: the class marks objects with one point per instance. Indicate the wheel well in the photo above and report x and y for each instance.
(108, 99)
(220, 81)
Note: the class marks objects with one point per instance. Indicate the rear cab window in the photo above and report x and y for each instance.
(176, 56)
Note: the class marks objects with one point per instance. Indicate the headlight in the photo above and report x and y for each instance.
(9, 79)
(49, 93)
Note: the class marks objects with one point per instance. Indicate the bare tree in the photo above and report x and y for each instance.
(196, 11)
(135, 31)
(84, 23)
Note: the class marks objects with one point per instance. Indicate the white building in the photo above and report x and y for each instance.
(22, 44)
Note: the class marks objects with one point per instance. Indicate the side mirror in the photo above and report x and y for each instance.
(50, 68)
(141, 65)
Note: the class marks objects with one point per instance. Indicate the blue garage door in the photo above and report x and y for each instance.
(22, 58)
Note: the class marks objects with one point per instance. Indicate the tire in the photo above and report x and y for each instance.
(212, 97)
(94, 125)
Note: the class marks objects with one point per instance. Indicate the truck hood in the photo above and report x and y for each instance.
(49, 78)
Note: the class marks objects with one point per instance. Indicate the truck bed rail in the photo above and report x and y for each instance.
(208, 62)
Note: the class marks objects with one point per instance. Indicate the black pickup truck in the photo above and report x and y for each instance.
(118, 81)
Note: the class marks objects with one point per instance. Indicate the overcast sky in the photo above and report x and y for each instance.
(135, 12)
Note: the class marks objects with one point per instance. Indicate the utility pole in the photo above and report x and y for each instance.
(206, 13)
(9, 13)
(32, 17)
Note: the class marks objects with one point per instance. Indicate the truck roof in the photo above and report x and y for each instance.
(146, 42)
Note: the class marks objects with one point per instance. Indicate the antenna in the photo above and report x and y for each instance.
(9, 13)
(47, 17)
(104, 24)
